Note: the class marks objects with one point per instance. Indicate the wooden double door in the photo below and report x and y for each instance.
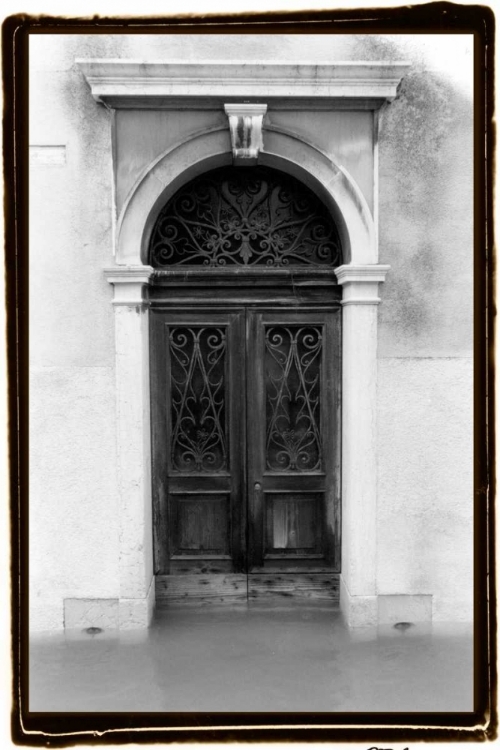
(246, 459)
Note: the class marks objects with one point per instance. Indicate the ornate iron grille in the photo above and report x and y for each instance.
(293, 375)
(245, 217)
(198, 399)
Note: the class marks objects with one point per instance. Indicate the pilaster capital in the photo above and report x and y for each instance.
(360, 283)
(128, 282)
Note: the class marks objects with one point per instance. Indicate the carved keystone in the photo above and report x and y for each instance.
(245, 126)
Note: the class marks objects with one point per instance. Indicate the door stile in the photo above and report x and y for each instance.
(255, 451)
(158, 376)
(331, 373)
(333, 441)
(236, 363)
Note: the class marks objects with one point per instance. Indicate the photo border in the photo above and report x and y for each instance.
(60, 729)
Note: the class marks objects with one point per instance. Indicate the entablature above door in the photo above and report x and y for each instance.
(168, 84)
(155, 151)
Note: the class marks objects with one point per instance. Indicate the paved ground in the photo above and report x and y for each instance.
(254, 658)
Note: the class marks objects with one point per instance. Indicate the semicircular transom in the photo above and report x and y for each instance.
(248, 217)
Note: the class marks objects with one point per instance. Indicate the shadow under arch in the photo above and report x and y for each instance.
(211, 149)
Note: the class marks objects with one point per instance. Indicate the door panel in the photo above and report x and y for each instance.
(199, 383)
(200, 524)
(293, 390)
(293, 523)
(245, 449)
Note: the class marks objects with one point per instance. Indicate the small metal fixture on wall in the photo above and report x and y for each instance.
(245, 126)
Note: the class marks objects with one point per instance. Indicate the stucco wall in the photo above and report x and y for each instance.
(425, 322)
(143, 136)
(73, 498)
(425, 493)
(424, 524)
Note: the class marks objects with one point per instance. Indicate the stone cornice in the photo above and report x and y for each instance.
(118, 83)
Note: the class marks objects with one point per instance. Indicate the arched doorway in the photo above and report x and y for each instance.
(246, 375)
(135, 283)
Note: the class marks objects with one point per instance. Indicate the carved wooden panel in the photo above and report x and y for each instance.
(245, 217)
(293, 386)
(200, 524)
(197, 373)
(293, 523)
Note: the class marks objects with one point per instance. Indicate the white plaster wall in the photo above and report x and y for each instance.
(425, 492)
(142, 136)
(73, 525)
(73, 513)
(424, 510)
(347, 138)
(424, 520)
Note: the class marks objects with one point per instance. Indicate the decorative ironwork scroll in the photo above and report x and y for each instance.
(293, 388)
(245, 217)
(197, 379)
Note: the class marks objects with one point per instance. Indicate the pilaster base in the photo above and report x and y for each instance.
(110, 614)
(384, 609)
(80, 614)
(393, 608)
(357, 611)
(137, 613)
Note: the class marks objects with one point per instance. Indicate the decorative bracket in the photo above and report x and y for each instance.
(245, 126)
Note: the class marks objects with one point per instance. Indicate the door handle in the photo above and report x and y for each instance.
(256, 492)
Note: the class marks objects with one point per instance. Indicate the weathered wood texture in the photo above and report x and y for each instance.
(227, 588)
(294, 586)
(201, 589)
(184, 565)
(293, 511)
(293, 454)
(198, 438)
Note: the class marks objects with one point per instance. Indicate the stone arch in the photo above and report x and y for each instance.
(211, 149)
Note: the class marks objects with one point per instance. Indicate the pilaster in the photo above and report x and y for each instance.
(359, 457)
(133, 444)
